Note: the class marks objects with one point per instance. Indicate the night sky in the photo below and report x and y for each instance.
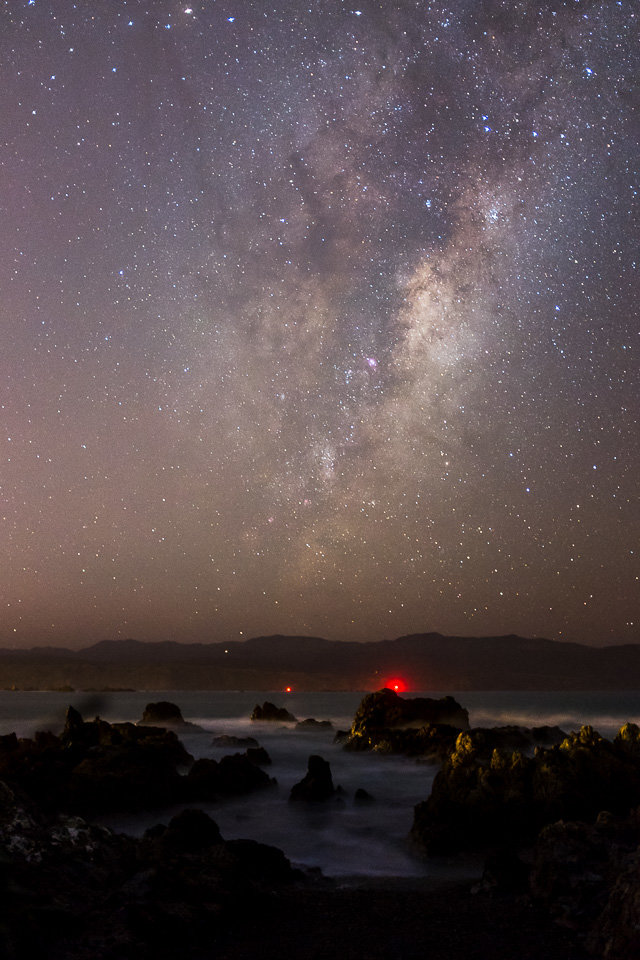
(319, 318)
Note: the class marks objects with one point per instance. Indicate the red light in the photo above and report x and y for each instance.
(396, 684)
(287, 689)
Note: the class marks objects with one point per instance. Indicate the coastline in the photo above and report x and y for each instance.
(399, 919)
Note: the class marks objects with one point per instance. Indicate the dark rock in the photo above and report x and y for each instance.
(505, 872)
(362, 796)
(73, 721)
(571, 870)
(96, 767)
(210, 779)
(226, 740)
(203, 780)
(483, 796)
(384, 709)
(547, 736)
(391, 724)
(311, 724)
(341, 736)
(433, 742)
(588, 877)
(239, 775)
(162, 712)
(317, 785)
(259, 756)
(616, 931)
(70, 889)
(132, 775)
(167, 714)
(190, 831)
(269, 712)
(261, 862)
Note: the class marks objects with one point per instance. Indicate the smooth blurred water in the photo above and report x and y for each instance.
(341, 837)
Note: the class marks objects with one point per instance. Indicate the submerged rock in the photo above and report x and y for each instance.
(317, 785)
(311, 724)
(270, 713)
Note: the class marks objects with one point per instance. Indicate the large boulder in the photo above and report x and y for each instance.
(164, 713)
(258, 755)
(270, 713)
(393, 724)
(70, 889)
(211, 779)
(190, 831)
(486, 797)
(317, 785)
(588, 878)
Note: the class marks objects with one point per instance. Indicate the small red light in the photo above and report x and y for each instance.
(396, 684)
(287, 689)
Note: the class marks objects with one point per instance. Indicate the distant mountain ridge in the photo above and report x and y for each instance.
(425, 661)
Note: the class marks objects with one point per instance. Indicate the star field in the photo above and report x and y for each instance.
(319, 318)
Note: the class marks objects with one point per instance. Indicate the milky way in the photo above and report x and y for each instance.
(319, 318)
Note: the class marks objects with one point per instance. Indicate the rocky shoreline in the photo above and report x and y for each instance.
(555, 817)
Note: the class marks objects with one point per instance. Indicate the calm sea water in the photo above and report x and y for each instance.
(342, 838)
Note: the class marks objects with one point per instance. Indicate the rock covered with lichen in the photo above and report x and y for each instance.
(388, 723)
(484, 796)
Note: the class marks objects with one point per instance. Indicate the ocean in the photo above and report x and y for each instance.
(342, 838)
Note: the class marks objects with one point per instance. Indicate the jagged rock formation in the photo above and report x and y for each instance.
(485, 796)
(388, 723)
(99, 767)
(270, 713)
(317, 784)
(71, 889)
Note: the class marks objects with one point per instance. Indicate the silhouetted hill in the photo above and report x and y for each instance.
(426, 661)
